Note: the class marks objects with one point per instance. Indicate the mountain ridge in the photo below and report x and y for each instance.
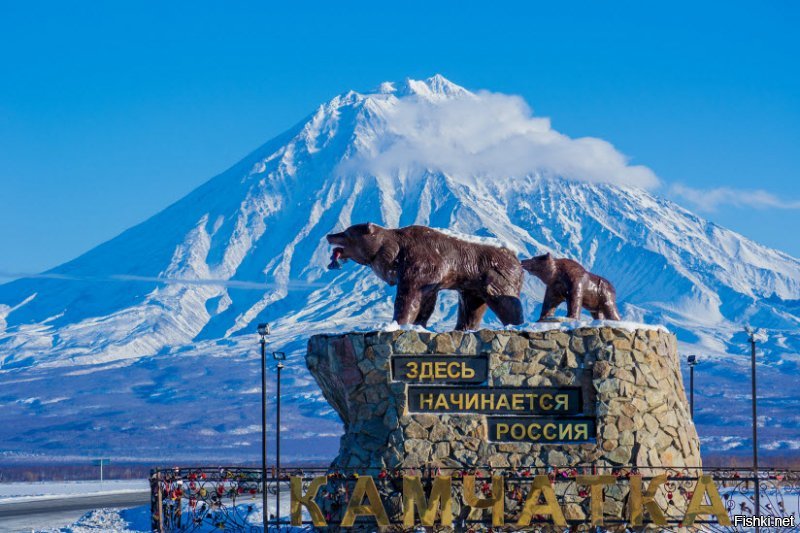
(248, 246)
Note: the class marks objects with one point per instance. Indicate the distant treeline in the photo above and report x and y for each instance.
(70, 472)
(88, 471)
(788, 460)
(32, 472)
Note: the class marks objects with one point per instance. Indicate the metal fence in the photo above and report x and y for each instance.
(229, 498)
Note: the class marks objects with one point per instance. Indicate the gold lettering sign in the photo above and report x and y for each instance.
(697, 506)
(306, 500)
(541, 500)
(536, 429)
(497, 401)
(355, 507)
(414, 496)
(496, 502)
(440, 368)
(595, 484)
(637, 501)
(541, 488)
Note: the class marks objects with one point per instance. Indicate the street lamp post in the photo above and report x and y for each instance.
(280, 357)
(263, 331)
(692, 360)
(752, 338)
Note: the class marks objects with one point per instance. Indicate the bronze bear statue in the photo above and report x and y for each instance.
(567, 280)
(421, 262)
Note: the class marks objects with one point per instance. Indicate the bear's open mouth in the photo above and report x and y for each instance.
(337, 258)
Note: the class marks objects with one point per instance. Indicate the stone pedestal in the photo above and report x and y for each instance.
(629, 381)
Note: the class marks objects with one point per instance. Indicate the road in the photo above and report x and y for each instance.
(30, 513)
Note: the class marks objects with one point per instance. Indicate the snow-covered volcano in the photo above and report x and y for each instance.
(146, 345)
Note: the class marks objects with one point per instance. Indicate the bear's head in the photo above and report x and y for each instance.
(541, 266)
(360, 242)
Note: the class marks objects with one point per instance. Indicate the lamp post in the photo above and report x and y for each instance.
(280, 357)
(751, 333)
(692, 360)
(263, 331)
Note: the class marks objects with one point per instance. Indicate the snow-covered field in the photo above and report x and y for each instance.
(45, 494)
(137, 519)
(98, 520)
(23, 490)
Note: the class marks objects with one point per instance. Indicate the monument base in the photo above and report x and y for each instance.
(626, 386)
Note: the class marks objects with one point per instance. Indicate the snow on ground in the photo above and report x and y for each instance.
(25, 490)
(137, 519)
(43, 515)
(782, 503)
(560, 325)
(569, 325)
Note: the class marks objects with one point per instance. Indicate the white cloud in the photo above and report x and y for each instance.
(487, 134)
(440, 126)
(711, 199)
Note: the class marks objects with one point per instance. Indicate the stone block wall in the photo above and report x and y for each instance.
(631, 385)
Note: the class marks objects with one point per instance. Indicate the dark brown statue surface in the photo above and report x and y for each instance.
(421, 261)
(568, 280)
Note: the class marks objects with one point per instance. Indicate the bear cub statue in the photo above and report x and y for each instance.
(567, 280)
(421, 262)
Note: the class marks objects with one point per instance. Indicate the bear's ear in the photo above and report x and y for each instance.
(371, 228)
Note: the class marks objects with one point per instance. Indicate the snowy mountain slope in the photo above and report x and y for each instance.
(174, 301)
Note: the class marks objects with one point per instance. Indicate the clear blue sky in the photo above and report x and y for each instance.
(111, 111)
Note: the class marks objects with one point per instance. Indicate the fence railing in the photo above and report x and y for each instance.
(229, 498)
